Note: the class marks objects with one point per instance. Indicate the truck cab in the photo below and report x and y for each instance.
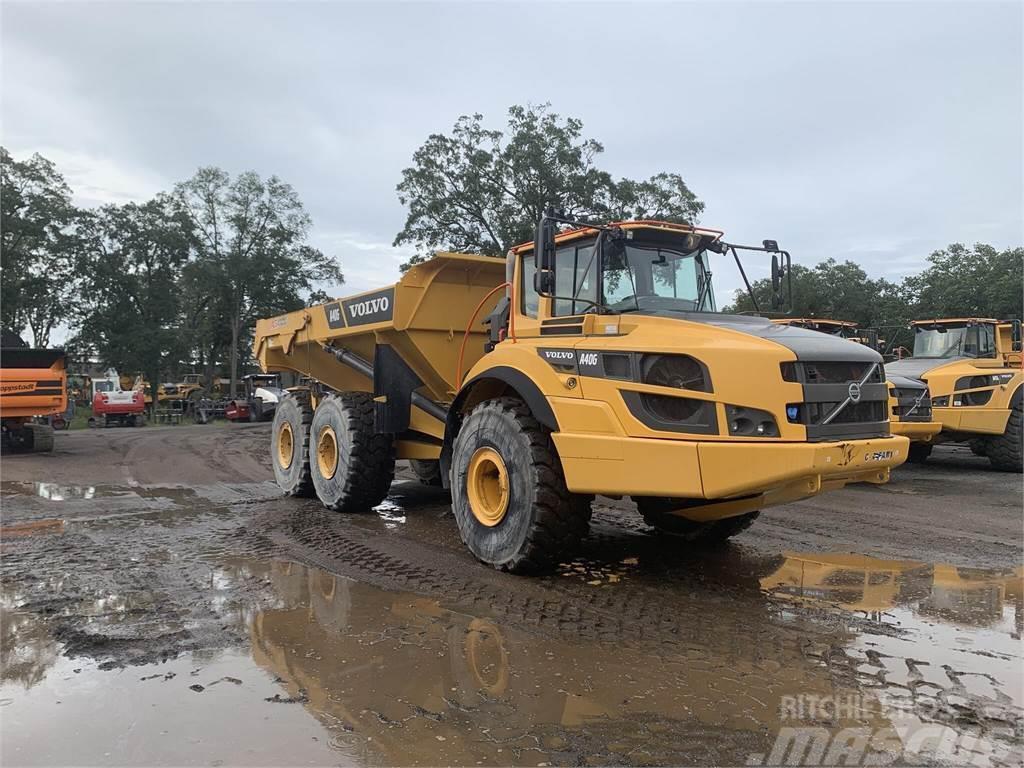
(972, 367)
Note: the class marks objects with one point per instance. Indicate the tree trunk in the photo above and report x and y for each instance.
(234, 357)
(153, 374)
(210, 372)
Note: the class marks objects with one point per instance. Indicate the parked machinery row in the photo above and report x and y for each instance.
(961, 384)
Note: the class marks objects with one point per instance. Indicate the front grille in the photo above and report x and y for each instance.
(831, 373)
(829, 389)
(908, 408)
(853, 413)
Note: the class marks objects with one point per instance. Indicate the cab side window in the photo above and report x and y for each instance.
(575, 279)
(527, 290)
(986, 341)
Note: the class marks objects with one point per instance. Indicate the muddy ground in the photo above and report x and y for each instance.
(163, 605)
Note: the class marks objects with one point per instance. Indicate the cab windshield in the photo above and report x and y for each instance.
(104, 386)
(944, 341)
(650, 278)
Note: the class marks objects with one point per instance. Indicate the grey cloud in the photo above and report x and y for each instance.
(877, 132)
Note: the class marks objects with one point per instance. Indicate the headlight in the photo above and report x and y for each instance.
(750, 422)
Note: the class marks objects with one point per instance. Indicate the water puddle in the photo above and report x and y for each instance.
(53, 491)
(912, 662)
(391, 513)
(192, 710)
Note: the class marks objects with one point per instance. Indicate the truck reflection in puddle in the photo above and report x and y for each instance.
(408, 681)
(972, 597)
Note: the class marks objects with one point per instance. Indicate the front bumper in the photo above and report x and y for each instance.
(743, 473)
(979, 419)
(918, 431)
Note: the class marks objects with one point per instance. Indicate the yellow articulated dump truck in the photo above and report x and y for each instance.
(972, 367)
(594, 362)
(910, 409)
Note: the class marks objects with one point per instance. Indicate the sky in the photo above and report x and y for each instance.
(875, 132)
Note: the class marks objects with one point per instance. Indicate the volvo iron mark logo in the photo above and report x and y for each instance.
(854, 392)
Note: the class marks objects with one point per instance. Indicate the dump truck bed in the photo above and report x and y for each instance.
(423, 318)
(33, 382)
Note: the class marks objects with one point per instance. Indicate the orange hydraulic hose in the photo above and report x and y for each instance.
(465, 336)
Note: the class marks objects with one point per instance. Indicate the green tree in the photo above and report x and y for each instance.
(250, 245)
(969, 282)
(38, 246)
(482, 191)
(133, 259)
(837, 291)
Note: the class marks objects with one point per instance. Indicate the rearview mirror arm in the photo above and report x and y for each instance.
(743, 273)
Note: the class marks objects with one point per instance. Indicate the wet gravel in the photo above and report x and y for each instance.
(164, 603)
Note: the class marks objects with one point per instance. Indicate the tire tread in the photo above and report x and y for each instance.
(562, 518)
(304, 486)
(371, 468)
(1005, 451)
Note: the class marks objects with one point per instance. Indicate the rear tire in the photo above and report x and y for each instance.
(919, 452)
(289, 445)
(656, 513)
(351, 465)
(427, 471)
(37, 438)
(525, 519)
(1005, 450)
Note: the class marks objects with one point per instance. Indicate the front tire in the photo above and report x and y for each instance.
(351, 465)
(509, 496)
(289, 445)
(657, 514)
(1005, 450)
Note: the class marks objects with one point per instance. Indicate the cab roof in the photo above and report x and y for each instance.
(815, 321)
(662, 226)
(955, 321)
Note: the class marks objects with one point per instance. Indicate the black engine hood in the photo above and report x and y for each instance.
(806, 345)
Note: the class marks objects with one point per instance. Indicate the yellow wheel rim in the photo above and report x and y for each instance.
(327, 452)
(285, 445)
(487, 486)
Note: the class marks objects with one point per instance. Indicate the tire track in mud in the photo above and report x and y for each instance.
(688, 609)
(638, 612)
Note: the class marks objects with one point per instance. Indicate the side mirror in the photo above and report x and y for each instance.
(544, 244)
(544, 282)
(544, 255)
(1015, 344)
